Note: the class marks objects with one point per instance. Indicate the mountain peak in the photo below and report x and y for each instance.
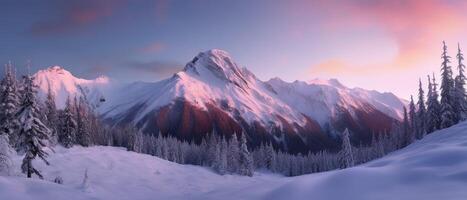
(219, 53)
(54, 70)
(218, 64)
(330, 82)
(64, 84)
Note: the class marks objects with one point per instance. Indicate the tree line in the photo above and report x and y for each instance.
(438, 111)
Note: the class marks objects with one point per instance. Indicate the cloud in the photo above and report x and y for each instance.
(155, 47)
(330, 67)
(100, 69)
(417, 26)
(337, 67)
(159, 69)
(75, 15)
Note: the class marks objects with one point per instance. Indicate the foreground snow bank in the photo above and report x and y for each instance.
(432, 168)
(114, 173)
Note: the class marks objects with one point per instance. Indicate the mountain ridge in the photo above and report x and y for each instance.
(212, 92)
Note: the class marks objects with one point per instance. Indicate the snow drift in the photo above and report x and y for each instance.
(432, 168)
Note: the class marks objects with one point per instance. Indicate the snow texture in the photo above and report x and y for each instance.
(432, 168)
(322, 99)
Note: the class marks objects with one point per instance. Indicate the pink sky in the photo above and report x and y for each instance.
(409, 44)
(374, 44)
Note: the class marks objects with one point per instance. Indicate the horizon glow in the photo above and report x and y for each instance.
(382, 45)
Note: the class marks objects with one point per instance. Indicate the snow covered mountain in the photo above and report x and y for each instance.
(331, 103)
(432, 168)
(63, 84)
(212, 92)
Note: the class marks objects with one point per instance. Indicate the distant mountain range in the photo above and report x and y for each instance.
(213, 93)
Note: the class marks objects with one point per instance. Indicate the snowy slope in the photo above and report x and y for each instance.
(63, 84)
(432, 168)
(322, 99)
(115, 173)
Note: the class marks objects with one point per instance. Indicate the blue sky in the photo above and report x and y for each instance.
(362, 43)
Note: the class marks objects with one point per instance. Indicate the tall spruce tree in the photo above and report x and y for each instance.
(233, 154)
(67, 136)
(52, 115)
(448, 116)
(5, 155)
(246, 161)
(222, 164)
(434, 108)
(421, 112)
(460, 99)
(346, 153)
(33, 134)
(8, 105)
(406, 128)
(82, 134)
(413, 120)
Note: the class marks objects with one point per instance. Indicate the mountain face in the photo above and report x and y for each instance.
(338, 107)
(63, 84)
(213, 93)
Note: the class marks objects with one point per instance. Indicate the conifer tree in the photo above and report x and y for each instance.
(406, 127)
(67, 136)
(52, 116)
(413, 120)
(222, 167)
(82, 134)
(448, 116)
(233, 154)
(8, 105)
(33, 134)
(246, 161)
(270, 157)
(5, 155)
(346, 154)
(421, 112)
(460, 98)
(434, 108)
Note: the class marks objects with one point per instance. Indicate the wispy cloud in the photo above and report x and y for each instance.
(417, 26)
(155, 47)
(76, 15)
(159, 69)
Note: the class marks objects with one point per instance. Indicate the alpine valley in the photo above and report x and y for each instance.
(214, 94)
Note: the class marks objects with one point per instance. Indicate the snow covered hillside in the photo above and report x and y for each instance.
(63, 84)
(323, 99)
(432, 168)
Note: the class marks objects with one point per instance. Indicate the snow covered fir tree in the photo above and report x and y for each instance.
(33, 135)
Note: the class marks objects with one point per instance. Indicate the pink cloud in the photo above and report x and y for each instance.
(153, 48)
(76, 15)
(417, 26)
